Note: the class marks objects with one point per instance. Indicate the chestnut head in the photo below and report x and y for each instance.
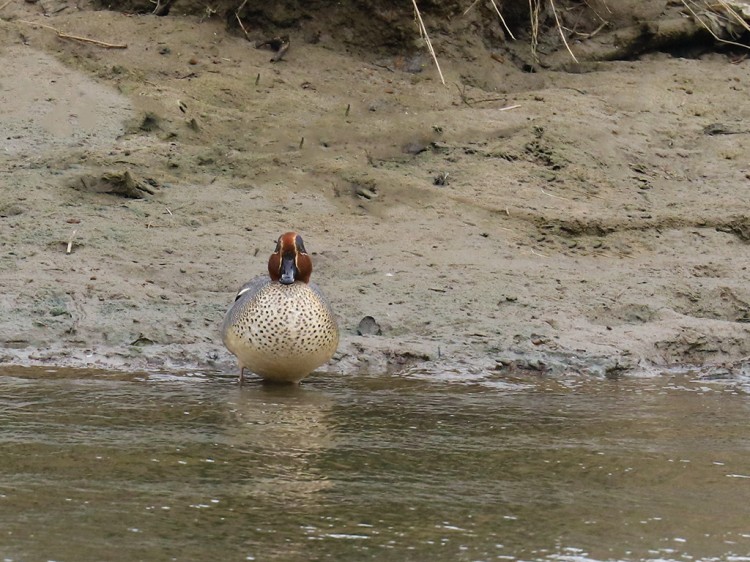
(289, 261)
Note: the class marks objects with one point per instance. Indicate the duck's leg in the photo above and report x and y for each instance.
(241, 378)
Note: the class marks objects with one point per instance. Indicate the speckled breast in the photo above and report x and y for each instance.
(282, 332)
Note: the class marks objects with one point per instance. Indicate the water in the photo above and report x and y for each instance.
(105, 466)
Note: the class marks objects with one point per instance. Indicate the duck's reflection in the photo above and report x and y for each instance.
(282, 430)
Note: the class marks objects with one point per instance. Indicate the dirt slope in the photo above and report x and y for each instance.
(599, 225)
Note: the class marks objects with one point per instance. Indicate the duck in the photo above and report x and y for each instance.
(281, 327)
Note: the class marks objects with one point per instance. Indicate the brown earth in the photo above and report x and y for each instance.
(591, 221)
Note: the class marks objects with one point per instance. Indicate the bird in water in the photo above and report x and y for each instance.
(281, 327)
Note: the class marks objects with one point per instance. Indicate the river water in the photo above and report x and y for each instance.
(106, 466)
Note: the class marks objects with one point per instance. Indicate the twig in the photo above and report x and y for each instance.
(162, 9)
(502, 19)
(4, 5)
(467, 101)
(474, 3)
(423, 32)
(462, 93)
(555, 196)
(93, 41)
(486, 100)
(70, 242)
(559, 28)
(466, 11)
(591, 35)
(62, 35)
(242, 27)
(239, 21)
(388, 68)
(534, 15)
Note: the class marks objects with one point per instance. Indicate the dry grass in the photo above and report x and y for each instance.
(423, 34)
(716, 16)
(534, 11)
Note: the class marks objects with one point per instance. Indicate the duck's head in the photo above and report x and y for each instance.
(290, 262)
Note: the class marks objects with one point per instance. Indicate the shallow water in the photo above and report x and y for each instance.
(106, 466)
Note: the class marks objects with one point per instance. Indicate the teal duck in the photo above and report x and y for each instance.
(281, 327)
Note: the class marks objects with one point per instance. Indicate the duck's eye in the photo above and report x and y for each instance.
(300, 245)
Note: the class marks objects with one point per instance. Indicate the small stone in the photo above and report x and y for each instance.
(441, 179)
(368, 327)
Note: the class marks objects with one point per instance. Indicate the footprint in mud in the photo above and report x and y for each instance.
(718, 303)
(623, 314)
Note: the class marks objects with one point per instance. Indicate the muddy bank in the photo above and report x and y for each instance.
(600, 225)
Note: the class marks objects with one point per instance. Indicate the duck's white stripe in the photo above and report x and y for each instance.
(242, 292)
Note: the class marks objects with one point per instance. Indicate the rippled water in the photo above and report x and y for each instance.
(105, 466)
